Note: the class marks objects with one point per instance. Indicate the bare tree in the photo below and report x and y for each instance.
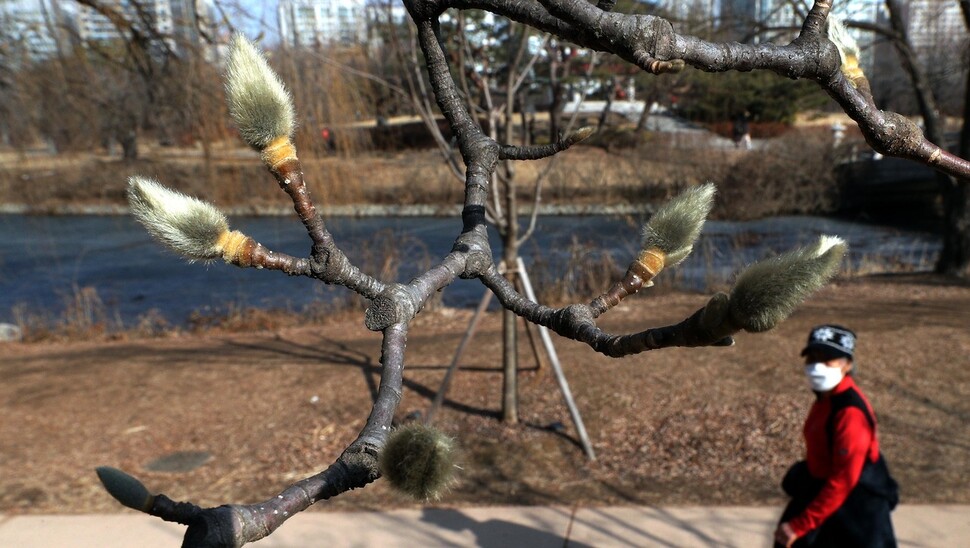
(954, 188)
(416, 458)
(494, 93)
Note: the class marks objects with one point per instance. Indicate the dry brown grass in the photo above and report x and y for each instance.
(787, 176)
(235, 177)
(679, 426)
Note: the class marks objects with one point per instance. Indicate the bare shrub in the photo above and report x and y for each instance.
(84, 312)
(35, 325)
(241, 318)
(583, 271)
(151, 324)
(793, 174)
(84, 316)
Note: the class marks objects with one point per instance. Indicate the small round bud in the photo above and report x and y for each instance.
(579, 135)
(418, 460)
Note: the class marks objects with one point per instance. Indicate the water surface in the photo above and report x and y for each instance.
(45, 260)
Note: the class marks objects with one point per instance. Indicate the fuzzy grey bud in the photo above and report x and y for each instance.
(848, 52)
(125, 489)
(843, 40)
(190, 227)
(768, 291)
(675, 226)
(579, 135)
(258, 100)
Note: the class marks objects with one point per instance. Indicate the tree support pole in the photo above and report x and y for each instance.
(556, 367)
(439, 397)
(529, 327)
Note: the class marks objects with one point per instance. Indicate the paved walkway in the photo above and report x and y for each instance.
(530, 527)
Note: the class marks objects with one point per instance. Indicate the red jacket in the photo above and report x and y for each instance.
(853, 442)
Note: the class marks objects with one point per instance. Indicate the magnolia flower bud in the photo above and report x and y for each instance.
(579, 135)
(125, 489)
(848, 49)
(673, 229)
(190, 227)
(418, 460)
(258, 101)
(768, 291)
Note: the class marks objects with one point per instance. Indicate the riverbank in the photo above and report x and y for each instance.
(408, 182)
(712, 426)
(349, 210)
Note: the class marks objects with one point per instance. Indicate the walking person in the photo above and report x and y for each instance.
(842, 493)
(741, 131)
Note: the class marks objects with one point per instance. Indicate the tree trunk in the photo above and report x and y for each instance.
(510, 342)
(510, 366)
(559, 67)
(128, 139)
(510, 252)
(642, 120)
(955, 255)
(605, 115)
(555, 112)
(644, 115)
(918, 79)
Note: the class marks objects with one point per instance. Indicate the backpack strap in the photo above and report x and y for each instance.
(848, 398)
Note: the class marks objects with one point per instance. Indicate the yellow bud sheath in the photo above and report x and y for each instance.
(236, 247)
(280, 150)
(648, 264)
(640, 274)
(852, 70)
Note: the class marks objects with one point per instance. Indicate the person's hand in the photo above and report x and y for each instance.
(784, 535)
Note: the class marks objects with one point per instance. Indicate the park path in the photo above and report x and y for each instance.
(498, 526)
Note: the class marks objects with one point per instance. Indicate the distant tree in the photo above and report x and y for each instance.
(91, 91)
(925, 89)
(766, 96)
(330, 94)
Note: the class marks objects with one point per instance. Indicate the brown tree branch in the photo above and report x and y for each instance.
(650, 43)
(327, 262)
(357, 466)
(479, 153)
(647, 40)
(538, 152)
(578, 322)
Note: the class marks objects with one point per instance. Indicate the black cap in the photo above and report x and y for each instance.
(831, 339)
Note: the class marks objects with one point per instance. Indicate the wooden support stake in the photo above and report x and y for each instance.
(439, 397)
(557, 368)
(529, 327)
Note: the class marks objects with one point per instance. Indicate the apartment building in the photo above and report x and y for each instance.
(316, 23)
(44, 26)
(32, 29)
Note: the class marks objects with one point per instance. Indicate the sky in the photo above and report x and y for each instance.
(252, 16)
(260, 17)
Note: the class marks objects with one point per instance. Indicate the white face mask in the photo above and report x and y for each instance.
(823, 378)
